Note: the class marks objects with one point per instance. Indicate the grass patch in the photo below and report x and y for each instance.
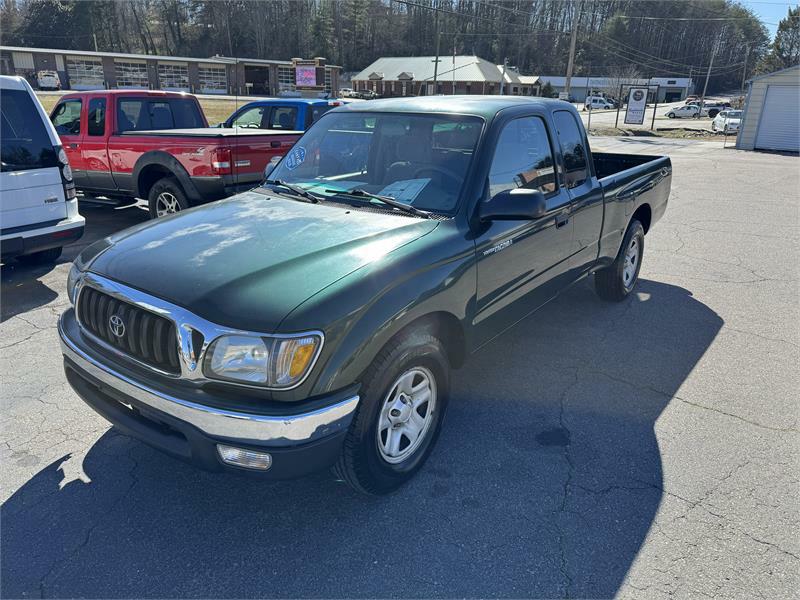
(671, 132)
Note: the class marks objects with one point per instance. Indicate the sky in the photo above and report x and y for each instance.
(770, 11)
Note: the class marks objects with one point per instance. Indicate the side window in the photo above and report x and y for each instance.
(283, 117)
(97, 116)
(576, 168)
(132, 115)
(251, 118)
(67, 117)
(523, 158)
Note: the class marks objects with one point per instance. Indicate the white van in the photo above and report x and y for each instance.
(597, 103)
(38, 208)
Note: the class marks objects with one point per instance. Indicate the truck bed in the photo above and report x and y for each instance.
(607, 163)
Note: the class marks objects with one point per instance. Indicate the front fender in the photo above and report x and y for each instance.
(366, 309)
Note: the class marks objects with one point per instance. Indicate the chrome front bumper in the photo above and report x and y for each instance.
(275, 431)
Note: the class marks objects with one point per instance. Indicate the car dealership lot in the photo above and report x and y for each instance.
(594, 450)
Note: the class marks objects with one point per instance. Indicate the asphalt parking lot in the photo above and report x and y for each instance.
(642, 449)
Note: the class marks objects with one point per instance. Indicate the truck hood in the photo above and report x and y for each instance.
(247, 261)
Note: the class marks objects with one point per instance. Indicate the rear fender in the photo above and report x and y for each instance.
(168, 163)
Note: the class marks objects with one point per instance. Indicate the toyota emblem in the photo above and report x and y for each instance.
(116, 325)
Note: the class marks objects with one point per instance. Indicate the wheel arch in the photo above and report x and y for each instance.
(155, 165)
(644, 215)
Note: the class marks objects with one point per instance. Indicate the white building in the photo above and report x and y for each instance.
(670, 89)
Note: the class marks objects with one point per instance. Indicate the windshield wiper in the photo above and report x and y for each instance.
(359, 193)
(294, 190)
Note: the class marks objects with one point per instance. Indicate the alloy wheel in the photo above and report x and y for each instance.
(631, 263)
(166, 204)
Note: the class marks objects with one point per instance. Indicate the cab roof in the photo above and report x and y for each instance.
(483, 106)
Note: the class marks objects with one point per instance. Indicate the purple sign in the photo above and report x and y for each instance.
(306, 76)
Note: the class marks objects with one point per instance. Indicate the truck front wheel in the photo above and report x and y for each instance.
(617, 281)
(166, 197)
(403, 400)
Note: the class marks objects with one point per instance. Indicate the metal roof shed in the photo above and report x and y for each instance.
(771, 117)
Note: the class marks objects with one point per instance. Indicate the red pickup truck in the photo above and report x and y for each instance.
(125, 144)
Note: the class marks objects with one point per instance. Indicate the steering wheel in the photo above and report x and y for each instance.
(455, 177)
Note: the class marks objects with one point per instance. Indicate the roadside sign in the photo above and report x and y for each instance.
(637, 103)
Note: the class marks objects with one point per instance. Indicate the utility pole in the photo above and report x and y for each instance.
(454, 65)
(436, 60)
(94, 37)
(744, 71)
(708, 76)
(572, 42)
(503, 78)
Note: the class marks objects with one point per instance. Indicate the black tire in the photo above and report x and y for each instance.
(166, 192)
(671, 115)
(44, 257)
(361, 463)
(612, 283)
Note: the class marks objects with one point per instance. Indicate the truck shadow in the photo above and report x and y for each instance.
(545, 483)
(22, 288)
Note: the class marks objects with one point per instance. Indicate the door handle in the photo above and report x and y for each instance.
(275, 144)
(73, 146)
(562, 220)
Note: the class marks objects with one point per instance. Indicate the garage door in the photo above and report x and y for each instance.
(779, 128)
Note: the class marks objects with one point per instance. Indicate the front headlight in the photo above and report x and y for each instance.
(74, 276)
(264, 361)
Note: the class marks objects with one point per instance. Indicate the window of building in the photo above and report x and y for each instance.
(328, 80)
(131, 74)
(515, 90)
(174, 77)
(469, 88)
(671, 82)
(286, 79)
(212, 79)
(576, 167)
(523, 158)
(97, 116)
(85, 73)
(67, 118)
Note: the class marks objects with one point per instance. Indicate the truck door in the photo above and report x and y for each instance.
(522, 263)
(584, 190)
(94, 149)
(70, 124)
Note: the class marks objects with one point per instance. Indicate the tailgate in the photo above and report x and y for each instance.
(252, 153)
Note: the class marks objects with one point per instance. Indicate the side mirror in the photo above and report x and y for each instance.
(514, 204)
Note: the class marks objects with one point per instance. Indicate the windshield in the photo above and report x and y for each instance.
(416, 159)
(734, 114)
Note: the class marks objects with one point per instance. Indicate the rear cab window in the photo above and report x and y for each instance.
(143, 114)
(26, 143)
(576, 166)
(66, 117)
(97, 117)
(283, 117)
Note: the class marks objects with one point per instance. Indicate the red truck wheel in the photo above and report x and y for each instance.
(166, 197)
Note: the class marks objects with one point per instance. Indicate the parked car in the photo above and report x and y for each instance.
(315, 321)
(727, 121)
(345, 92)
(48, 80)
(692, 99)
(597, 103)
(288, 114)
(365, 94)
(125, 144)
(686, 111)
(38, 211)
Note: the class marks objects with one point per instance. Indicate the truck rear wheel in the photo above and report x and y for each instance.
(166, 197)
(403, 400)
(616, 281)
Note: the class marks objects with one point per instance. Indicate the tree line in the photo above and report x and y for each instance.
(642, 37)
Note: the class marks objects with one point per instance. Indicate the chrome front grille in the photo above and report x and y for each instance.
(139, 333)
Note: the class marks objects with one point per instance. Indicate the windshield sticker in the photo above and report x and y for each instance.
(405, 190)
(295, 158)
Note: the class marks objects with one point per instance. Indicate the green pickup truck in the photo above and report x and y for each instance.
(314, 321)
